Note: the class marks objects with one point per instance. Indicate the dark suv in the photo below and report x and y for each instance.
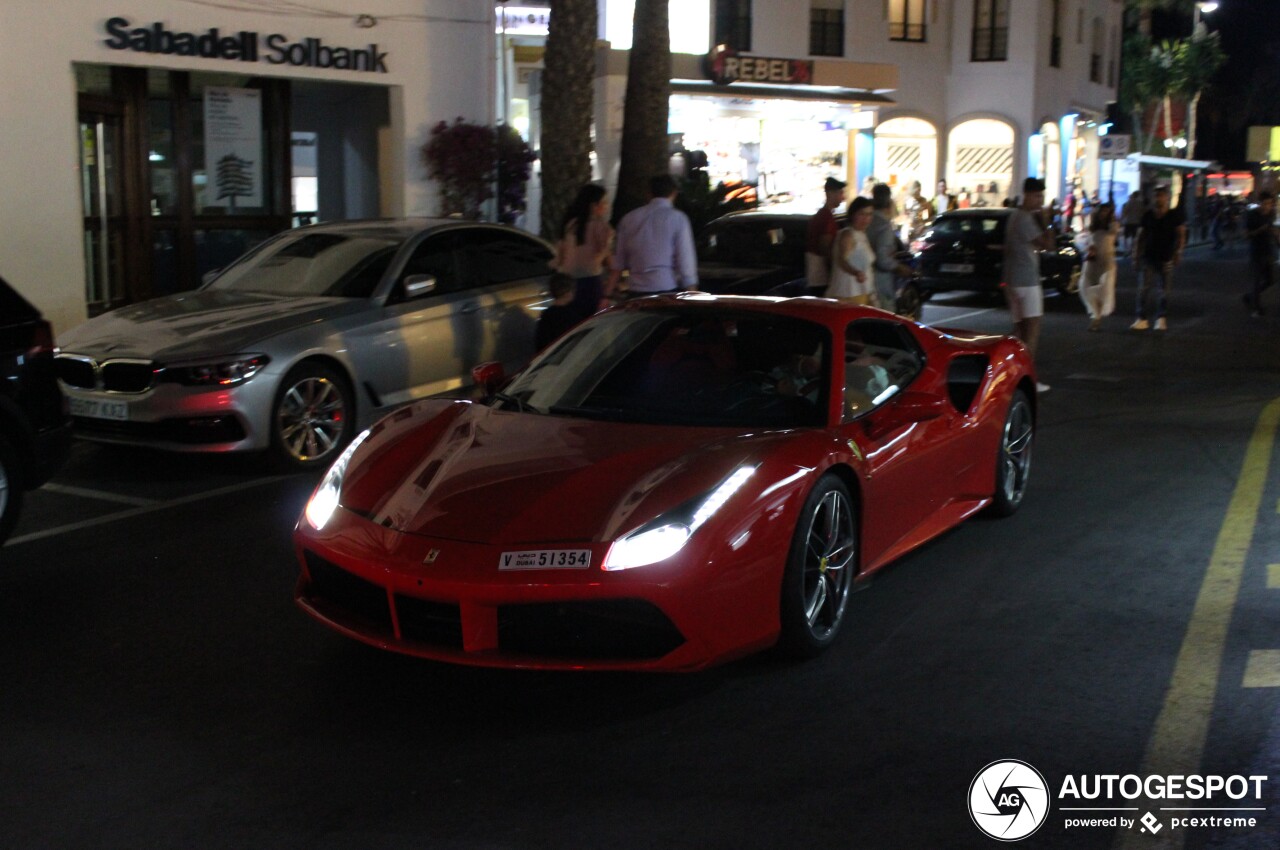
(35, 429)
(753, 253)
(964, 250)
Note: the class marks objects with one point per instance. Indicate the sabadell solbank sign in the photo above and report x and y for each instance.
(243, 46)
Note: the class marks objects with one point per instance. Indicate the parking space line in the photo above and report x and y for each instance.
(1273, 576)
(100, 495)
(139, 511)
(1263, 669)
(1181, 730)
(966, 315)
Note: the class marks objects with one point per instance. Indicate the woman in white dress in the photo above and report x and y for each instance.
(851, 257)
(1098, 279)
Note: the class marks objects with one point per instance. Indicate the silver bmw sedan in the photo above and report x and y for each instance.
(308, 338)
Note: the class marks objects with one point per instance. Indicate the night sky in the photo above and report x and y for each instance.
(1247, 91)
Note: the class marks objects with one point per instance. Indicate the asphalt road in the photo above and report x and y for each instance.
(161, 690)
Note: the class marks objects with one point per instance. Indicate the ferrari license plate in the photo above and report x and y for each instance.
(956, 268)
(97, 409)
(546, 559)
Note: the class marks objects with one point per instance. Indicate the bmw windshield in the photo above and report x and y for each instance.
(343, 265)
(683, 365)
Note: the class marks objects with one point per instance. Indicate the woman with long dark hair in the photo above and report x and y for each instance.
(1098, 278)
(585, 242)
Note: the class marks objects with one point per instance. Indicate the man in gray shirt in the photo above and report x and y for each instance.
(654, 244)
(885, 246)
(1025, 235)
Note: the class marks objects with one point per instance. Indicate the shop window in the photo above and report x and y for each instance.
(230, 173)
(906, 20)
(733, 24)
(826, 27)
(990, 31)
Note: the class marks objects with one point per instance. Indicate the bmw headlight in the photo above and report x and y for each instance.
(222, 372)
(665, 536)
(326, 497)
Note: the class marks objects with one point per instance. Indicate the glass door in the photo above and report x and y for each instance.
(102, 198)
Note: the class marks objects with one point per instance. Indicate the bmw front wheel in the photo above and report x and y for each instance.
(313, 416)
(820, 570)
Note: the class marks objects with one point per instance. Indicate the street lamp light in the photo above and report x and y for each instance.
(1203, 8)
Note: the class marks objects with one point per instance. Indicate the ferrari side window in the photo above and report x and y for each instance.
(880, 359)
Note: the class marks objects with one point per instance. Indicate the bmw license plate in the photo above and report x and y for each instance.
(93, 408)
(956, 268)
(546, 559)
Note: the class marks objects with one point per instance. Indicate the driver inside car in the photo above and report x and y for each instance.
(865, 375)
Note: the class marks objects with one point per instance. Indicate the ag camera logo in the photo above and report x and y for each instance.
(1008, 800)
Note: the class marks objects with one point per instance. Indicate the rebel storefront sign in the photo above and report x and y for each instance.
(243, 46)
(725, 66)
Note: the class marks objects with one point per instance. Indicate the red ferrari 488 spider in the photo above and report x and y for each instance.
(674, 483)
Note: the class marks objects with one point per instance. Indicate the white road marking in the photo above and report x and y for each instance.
(139, 511)
(100, 495)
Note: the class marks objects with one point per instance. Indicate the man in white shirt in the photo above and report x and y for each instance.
(1025, 235)
(654, 244)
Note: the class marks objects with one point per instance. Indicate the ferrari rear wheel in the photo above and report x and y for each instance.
(1013, 463)
(313, 416)
(820, 570)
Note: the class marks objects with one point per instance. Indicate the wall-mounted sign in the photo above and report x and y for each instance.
(233, 146)
(524, 20)
(243, 46)
(725, 66)
(1114, 146)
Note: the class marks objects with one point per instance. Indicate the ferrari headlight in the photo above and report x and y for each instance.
(223, 372)
(325, 499)
(665, 536)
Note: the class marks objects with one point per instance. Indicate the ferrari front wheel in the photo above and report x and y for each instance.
(820, 570)
(1013, 462)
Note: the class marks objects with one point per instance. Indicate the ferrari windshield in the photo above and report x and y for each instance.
(342, 265)
(684, 365)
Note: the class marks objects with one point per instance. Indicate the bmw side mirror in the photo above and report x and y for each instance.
(418, 285)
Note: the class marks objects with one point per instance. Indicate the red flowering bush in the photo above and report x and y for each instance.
(466, 159)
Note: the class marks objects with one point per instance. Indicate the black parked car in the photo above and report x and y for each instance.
(963, 250)
(753, 253)
(35, 429)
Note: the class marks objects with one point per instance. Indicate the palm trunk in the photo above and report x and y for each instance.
(1192, 109)
(567, 97)
(645, 150)
(1155, 126)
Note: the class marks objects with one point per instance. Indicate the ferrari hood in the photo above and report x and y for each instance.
(198, 323)
(472, 473)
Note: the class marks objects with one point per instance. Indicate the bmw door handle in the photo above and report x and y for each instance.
(469, 308)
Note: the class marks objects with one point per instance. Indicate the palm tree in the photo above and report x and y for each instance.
(644, 118)
(1198, 60)
(1143, 9)
(568, 81)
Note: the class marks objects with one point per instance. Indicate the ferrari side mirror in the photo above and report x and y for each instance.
(489, 377)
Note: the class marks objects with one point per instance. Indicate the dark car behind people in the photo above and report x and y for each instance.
(35, 429)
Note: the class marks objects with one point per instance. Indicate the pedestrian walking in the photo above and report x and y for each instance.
(654, 245)
(1131, 218)
(821, 236)
(1098, 278)
(884, 245)
(1161, 238)
(561, 315)
(1026, 234)
(583, 250)
(1260, 230)
(852, 257)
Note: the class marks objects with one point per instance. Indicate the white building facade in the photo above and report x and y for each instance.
(148, 142)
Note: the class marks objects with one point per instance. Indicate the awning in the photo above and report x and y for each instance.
(836, 94)
(1176, 163)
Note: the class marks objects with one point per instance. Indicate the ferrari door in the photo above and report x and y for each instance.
(908, 434)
